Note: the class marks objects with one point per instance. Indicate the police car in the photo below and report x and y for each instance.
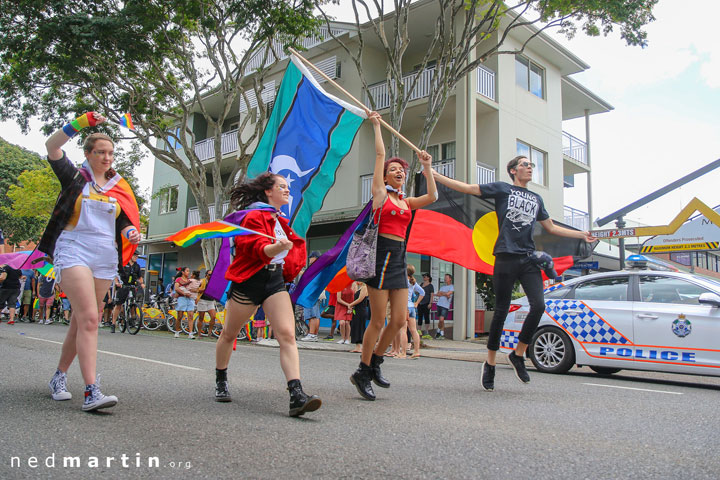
(639, 319)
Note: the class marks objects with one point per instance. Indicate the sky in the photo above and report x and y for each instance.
(664, 125)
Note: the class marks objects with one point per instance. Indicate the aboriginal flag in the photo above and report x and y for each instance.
(462, 229)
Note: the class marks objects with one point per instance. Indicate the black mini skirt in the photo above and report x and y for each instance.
(390, 265)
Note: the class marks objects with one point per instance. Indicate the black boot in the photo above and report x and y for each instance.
(362, 380)
(112, 328)
(300, 402)
(222, 392)
(377, 376)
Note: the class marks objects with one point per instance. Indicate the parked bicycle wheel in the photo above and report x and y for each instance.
(301, 329)
(170, 324)
(121, 323)
(152, 318)
(133, 320)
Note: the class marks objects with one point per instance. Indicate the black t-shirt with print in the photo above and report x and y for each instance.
(517, 210)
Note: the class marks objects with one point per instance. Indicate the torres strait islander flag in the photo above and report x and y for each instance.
(308, 134)
(462, 229)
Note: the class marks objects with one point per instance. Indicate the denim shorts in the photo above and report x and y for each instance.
(442, 312)
(65, 304)
(312, 312)
(73, 249)
(412, 312)
(185, 304)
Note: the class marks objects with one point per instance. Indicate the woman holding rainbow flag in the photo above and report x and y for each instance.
(263, 263)
(95, 214)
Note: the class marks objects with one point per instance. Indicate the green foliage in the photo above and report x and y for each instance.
(484, 287)
(14, 161)
(35, 194)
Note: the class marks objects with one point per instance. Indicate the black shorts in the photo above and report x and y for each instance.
(121, 294)
(8, 297)
(256, 289)
(390, 265)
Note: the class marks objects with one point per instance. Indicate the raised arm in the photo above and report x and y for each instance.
(431, 195)
(378, 183)
(56, 141)
(553, 229)
(456, 185)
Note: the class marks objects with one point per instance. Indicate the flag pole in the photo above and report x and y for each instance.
(357, 102)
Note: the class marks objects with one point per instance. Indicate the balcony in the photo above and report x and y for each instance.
(205, 149)
(193, 215)
(486, 82)
(576, 218)
(574, 148)
(485, 174)
(380, 93)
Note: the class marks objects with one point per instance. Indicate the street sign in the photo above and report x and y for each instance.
(700, 233)
(614, 233)
(586, 265)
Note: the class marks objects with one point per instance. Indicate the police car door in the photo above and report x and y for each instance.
(673, 331)
(599, 318)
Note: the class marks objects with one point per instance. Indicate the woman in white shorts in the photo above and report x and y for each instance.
(96, 213)
(205, 304)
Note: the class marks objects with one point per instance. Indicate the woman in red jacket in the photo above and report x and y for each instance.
(259, 271)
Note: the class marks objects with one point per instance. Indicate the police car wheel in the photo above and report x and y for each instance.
(551, 351)
(605, 370)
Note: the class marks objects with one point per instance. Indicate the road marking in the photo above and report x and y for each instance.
(125, 356)
(631, 388)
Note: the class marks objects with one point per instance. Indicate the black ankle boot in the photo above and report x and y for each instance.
(222, 391)
(300, 402)
(362, 379)
(377, 376)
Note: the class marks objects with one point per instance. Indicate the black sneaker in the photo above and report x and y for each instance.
(487, 376)
(518, 364)
(329, 337)
(362, 379)
(300, 402)
(222, 393)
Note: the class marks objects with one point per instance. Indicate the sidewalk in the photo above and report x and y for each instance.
(465, 350)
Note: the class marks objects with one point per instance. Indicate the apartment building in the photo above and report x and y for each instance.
(514, 104)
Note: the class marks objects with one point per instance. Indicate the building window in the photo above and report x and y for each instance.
(443, 158)
(529, 76)
(538, 157)
(169, 200)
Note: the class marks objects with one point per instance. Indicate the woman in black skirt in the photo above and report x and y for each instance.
(360, 316)
(392, 211)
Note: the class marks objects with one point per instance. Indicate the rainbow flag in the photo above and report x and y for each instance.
(217, 229)
(126, 121)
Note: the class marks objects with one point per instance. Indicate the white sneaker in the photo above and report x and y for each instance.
(177, 334)
(341, 341)
(48, 322)
(191, 336)
(58, 386)
(309, 338)
(347, 342)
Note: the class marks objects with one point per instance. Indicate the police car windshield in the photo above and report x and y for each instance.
(713, 281)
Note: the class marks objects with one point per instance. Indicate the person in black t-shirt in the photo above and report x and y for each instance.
(9, 290)
(131, 276)
(517, 211)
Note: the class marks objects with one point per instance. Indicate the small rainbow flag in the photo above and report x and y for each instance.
(126, 121)
(217, 229)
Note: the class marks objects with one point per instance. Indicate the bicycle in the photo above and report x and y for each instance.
(130, 317)
(154, 315)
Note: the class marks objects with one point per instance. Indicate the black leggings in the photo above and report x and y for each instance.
(423, 314)
(508, 269)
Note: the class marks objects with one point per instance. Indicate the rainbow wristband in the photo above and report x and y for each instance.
(127, 234)
(72, 128)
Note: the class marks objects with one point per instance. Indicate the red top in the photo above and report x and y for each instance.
(249, 249)
(394, 219)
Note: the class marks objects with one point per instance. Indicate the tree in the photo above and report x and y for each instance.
(164, 61)
(14, 161)
(459, 42)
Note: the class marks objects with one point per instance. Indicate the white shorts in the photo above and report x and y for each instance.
(95, 252)
(205, 305)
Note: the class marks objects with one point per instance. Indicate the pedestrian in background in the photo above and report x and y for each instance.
(343, 312)
(445, 296)
(361, 313)
(28, 295)
(185, 304)
(424, 305)
(46, 297)
(205, 305)
(9, 290)
(312, 315)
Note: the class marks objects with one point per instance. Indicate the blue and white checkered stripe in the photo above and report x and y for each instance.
(587, 326)
(553, 287)
(509, 339)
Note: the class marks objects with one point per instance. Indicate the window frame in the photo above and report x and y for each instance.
(165, 199)
(628, 293)
(540, 173)
(527, 85)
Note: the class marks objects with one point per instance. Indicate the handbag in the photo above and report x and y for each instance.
(329, 312)
(363, 248)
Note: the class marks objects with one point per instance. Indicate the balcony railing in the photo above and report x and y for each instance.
(574, 148)
(445, 167)
(193, 215)
(486, 82)
(205, 149)
(576, 218)
(278, 45)
(485, 174)
(381, 94)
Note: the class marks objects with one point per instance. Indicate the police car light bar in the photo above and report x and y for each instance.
(642, 262)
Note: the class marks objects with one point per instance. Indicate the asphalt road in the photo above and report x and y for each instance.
(434, 422)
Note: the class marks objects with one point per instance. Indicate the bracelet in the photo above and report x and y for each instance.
(127, 234)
